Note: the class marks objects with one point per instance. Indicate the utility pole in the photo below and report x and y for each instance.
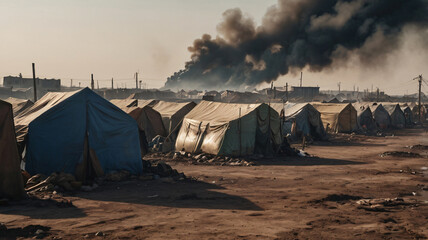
(419, 78)
(286, 91)
(112, 86)
(34, 83)
(301, 78)
(136, 80)
(377, 94)
(92, 81)
(338, 84)
(79, 84)
(98, 85)
(71, 82)
(140, 83)
(419, 100)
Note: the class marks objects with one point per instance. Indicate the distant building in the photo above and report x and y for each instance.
(20, 82)
(305, 92)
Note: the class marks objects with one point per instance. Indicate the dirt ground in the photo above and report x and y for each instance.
(291, 198)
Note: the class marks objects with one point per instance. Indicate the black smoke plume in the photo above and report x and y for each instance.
(295, 34)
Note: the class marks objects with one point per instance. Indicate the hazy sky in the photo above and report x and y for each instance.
(70, 39)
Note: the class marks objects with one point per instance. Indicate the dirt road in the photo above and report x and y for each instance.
(293, 198)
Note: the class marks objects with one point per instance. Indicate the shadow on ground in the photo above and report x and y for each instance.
(307, 161)
(42, 209)
(181, 194)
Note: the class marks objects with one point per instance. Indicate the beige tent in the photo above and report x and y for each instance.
(172, 115)
(149, 120)
(11, 182)
(300, 119)
(398, 120)
(230, 129)
(365, 118)
(124, 103)
(19, 105)
(341, 117)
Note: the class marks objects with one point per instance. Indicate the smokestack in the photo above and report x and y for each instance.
(295, 35)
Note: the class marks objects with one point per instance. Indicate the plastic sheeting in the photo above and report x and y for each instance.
(11, 182)
(341, 117)
(62, 127)
(230, 129)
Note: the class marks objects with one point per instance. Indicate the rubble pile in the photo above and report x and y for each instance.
(209, 159)
(54, 182)
(65, 182)
(401, 154)
(383, 204)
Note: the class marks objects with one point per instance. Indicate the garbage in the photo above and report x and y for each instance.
(56, 181)
(118, 176)
(382, 204)
(401, 154)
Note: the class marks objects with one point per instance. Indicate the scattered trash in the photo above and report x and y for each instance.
(418, 147)
(56, 181)
(401, 154)
(381, 204)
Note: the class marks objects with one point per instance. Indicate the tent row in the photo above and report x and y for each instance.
(82, 133)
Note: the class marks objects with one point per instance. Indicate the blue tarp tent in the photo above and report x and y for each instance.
(67, 132)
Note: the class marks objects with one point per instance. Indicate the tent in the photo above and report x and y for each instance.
(124, 103)
(306, 120)
(408, 115)
(380, 115)
(80, 133)
(415, 111)
(364, 117)
(11, 182)
(340, 117)
(149, 120)
(230, 129)
(398, 119)
(19, 105)
(172, 115)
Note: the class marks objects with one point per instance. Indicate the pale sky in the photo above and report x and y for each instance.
(70, 39)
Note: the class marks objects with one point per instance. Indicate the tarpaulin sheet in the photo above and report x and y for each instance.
(58, 124)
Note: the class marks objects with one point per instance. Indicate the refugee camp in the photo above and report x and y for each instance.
(276, 119)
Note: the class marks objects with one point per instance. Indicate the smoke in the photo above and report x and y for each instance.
(295, 34)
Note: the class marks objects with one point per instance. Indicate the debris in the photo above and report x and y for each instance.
(401, 154)
(3, 227)
(118, 176)
(381, 204)
(337, 198)
(419, 147)
(153, 196)
(99, 234)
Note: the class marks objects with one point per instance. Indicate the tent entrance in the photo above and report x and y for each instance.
(90, 168)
